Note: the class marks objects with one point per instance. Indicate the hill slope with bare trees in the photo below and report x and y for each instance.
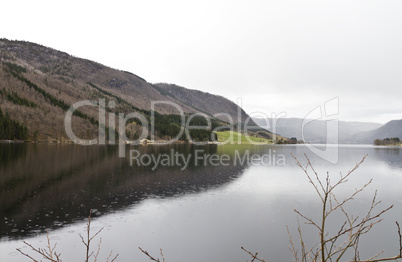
(38, 84)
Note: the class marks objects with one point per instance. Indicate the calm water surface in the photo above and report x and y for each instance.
(204, 212)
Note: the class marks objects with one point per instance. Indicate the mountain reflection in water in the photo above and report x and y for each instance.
(49, 185)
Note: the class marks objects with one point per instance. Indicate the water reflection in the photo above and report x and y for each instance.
(10, 153)
(218, 208)
(389, 154)
(46, 186)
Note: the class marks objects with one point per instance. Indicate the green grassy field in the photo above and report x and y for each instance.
(233, 137)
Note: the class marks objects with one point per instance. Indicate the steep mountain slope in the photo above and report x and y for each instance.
(197, 100)
(39, 84)
(389, 130)
(318, 131)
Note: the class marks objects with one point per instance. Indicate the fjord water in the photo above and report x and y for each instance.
(203, 212)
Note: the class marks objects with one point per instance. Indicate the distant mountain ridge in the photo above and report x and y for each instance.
(318, 131)
(389, 130)
(53, 80)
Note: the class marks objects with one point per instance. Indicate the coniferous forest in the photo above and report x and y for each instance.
(10, 129)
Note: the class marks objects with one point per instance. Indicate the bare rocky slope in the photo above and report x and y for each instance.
(38, 84)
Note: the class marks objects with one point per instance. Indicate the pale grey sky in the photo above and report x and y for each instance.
(277, 56)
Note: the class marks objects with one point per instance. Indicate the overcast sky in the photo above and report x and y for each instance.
(277, 56)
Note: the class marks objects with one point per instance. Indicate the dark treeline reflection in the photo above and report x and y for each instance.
(49, 185)
(390, 155)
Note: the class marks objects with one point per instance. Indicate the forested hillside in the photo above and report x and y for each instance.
(39, 84)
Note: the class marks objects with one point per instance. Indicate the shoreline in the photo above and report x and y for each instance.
(160, 142)
(156, 142)
(147, 142)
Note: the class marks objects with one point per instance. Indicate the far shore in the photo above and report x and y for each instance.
(145, 142)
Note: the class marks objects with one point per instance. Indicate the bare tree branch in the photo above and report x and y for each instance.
(148, 255)
(333, 247)
(254, 256)
(50, 254)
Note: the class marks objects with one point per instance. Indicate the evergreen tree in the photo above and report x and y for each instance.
(10, 129)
